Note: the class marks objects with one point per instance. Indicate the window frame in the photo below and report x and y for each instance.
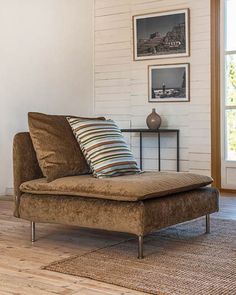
(224, 107)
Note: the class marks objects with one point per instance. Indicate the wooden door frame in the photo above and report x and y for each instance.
(215, 94)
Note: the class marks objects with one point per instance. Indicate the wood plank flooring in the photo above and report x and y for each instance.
(21, 261)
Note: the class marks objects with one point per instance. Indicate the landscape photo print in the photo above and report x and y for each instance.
(161, 35)
(169, 83)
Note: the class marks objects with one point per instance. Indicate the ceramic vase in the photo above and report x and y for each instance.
(153, 120)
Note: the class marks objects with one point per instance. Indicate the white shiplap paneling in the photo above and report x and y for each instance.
(121, 86)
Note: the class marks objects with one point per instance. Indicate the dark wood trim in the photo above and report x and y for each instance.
(215, 94)
(228, 191)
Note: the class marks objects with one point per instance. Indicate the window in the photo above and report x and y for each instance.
(230, 80)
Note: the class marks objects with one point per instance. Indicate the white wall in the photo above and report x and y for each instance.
(46, 65)
(121, 90)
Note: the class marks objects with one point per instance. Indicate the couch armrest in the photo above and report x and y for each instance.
(25, 165)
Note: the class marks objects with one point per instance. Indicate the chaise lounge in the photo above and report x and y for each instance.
(135, 204)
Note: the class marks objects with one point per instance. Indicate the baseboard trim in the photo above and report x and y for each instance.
(228, 191)
(9, 191)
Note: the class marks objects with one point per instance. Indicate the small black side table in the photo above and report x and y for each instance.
(159, 132)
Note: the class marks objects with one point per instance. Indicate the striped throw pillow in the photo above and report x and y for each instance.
(104, 147)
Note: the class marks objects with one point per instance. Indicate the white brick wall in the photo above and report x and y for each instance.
(121, 90)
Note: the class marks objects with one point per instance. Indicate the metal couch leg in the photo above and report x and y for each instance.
(32, 231)
(140, 247)
(208, 224)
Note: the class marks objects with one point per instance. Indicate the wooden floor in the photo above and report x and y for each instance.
(21, 261)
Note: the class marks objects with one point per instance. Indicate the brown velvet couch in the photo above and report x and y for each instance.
(136, 204)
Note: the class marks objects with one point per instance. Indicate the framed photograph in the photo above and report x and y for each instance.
(161, 35)
(168, 83)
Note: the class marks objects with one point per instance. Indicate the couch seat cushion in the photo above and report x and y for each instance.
(122, 188)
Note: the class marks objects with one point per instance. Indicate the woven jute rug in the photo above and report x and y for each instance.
(179, 260)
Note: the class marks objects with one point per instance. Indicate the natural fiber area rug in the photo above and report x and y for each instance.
(179, 260)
